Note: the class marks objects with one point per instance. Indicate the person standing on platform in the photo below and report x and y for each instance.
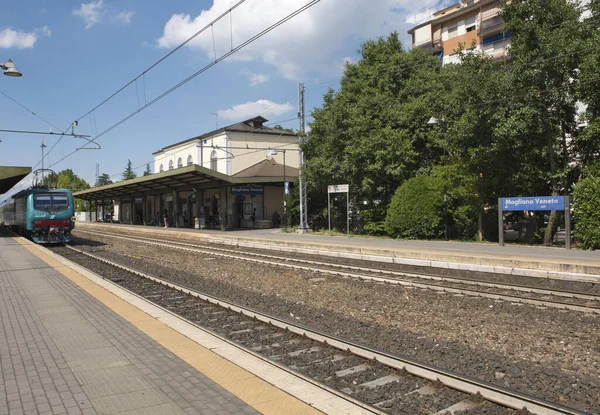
(166, 218)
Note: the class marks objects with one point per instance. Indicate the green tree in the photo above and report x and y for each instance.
(587, 141)
(67, 179)
(372, 133)
(129, 174)
(103, 180)
(545, 34)
(147, 172)
(280, 127)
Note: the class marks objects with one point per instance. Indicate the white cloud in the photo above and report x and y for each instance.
(255, 78)
(304, 45)
(21, 40)
(124, 16)
(94, 12)
(91, 13)
(251, 109)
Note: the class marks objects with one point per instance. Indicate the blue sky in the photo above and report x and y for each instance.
(73, 55)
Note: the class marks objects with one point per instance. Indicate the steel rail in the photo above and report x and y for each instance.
(287, 369)
(463, 383)
(395, 281)
(511, 287)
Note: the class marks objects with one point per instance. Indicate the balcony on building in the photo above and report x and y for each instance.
(490, 22)
(497, 46)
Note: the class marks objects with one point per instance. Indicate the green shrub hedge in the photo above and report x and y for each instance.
(416, 210)
(586, 209)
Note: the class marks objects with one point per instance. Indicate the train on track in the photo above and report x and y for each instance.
(44, 215)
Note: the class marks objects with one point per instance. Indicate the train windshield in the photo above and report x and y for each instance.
(51, 202)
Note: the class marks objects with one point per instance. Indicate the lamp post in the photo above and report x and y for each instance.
(434, 121)
(10, 69)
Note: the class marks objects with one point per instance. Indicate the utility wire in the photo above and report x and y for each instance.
(142, 75)
(205, 68)
(31, 111)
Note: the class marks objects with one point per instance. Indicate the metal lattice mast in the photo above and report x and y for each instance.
(302, 134)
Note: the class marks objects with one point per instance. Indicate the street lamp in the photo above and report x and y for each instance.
(10, 69)
(434, 121)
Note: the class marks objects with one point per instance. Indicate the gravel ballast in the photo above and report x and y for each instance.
(548, 353)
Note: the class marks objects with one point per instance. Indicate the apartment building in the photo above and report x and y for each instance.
(441, 29)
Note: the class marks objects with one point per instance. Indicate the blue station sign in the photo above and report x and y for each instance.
(533, 203)
(247, 190)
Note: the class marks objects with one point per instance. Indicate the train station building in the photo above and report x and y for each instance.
(229, 178)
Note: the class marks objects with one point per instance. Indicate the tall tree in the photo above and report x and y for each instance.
(129, 174)
(587, 142)
(103, 180)
(372, 133)
(147, 172)
(545, 35)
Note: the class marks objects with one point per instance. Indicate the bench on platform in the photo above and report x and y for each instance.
(263, 224)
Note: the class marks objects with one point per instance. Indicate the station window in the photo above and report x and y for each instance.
(161, 168)
(170, 164)
(190, 161)
(179, 162)
(213, 160)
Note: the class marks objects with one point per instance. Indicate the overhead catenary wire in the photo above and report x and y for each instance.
(31, 111)
(143, 74)
(205, 68)
(202, 70)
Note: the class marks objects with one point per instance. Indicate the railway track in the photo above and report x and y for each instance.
(562, 299)
(380, 382)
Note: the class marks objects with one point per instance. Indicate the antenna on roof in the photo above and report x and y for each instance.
(216, 115)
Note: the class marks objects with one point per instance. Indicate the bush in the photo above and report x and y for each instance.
(586, 207)
(416, 210)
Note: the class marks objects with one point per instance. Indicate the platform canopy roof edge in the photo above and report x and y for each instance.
(183, 178)
(11, 175)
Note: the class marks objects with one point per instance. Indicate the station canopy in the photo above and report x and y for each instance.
(10, 176)
(181, 179)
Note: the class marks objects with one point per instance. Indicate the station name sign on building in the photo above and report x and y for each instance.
(533, 203)
(247, 190)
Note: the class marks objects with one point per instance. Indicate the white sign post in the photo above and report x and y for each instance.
(339, 188)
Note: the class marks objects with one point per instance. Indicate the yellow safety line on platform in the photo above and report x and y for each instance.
(261, 395)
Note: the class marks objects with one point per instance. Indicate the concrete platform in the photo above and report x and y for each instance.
(73, 343)
(543, 262)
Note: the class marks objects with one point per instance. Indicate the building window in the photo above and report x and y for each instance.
(471, 23)
(190, 160)
(213, 160)
(170, 164)
(161, 168)
(179, 162)
(452, 31)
